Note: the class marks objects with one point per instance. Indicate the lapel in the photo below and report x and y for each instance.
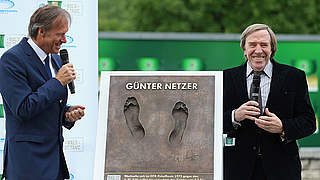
(34, 58)
(55, 63)
(240, 81)
(277, 81)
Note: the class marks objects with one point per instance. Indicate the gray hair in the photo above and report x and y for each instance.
(43, 17)
(256, 27)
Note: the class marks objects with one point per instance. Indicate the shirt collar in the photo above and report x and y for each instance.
(41, 54)
(267, 70)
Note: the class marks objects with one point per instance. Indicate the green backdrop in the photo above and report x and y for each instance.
(126, 55)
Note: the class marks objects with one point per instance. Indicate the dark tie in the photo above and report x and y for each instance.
(47, 66)
(255, 92)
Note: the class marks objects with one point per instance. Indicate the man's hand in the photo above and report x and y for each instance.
(247, 110)
(75, 113)
(270, 123)
(66, 74)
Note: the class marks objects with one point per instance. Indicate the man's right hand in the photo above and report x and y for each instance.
(66, 74)
(248, 110)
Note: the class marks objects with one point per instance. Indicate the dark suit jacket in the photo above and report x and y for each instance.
(35, 106)
(289, 100)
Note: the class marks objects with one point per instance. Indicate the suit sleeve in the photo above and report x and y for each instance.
(303, 122)
(228, 105)
(67, 124)
(24, 103)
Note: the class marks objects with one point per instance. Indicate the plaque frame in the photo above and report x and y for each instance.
(101, 138)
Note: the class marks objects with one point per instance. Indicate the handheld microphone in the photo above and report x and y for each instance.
(255, 88)
(255, 91)
(65, 59)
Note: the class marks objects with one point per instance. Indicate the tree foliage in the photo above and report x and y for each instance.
(214, 16)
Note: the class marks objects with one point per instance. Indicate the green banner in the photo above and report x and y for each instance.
(177, 55)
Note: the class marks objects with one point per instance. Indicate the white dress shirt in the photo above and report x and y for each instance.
(264, 86)
(42, 55)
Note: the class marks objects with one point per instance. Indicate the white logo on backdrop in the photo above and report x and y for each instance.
(75, 8)
(73, 144)
(7, 6)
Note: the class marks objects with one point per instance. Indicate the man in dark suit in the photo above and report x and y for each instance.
(33, 88)
(264, 133)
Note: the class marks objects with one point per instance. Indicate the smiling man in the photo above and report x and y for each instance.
(266, 109)
(33, 87)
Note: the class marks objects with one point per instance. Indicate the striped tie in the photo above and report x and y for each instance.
(255, 92)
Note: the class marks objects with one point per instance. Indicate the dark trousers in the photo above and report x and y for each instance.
(258, 173)
(60, 176)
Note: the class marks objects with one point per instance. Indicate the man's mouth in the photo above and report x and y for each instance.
(258, 58)
(58, 45)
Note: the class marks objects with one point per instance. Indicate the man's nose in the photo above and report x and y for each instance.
(258, 49)
(64, 39)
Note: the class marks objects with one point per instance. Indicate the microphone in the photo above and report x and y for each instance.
(65, 59)
(255, 88)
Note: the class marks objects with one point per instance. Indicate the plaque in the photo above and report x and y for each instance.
(159, 126)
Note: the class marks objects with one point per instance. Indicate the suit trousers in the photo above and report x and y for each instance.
(258, 173)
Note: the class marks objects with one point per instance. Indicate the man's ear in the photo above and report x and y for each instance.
(41, 33)
(245, 53)
(245, 56)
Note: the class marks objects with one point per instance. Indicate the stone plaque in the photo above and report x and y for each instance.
(160, 127)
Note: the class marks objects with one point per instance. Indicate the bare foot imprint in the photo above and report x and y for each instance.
(131, 113)
(180, 116)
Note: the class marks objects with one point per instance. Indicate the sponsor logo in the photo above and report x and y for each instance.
(74, 7)
(73, 144)
(80, 76)
(1, 111)
(70, 42)
(57, 3)
(106, 64)
(7, 6)
(9, 40)
(309, 66)
(71, 176)
(69, 39)
(192, 64)
(1, 40)
(42, 4)
(148, 64)
(2, 140)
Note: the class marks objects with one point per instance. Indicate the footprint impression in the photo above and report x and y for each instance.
(180, 116)
(131, 113)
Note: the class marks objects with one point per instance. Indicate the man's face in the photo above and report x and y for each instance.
(51, 41)
(258, 49)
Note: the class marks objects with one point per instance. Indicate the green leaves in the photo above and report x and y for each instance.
(215, 16)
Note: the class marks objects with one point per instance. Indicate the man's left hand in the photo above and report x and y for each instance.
(75, 113)
(270, 122)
